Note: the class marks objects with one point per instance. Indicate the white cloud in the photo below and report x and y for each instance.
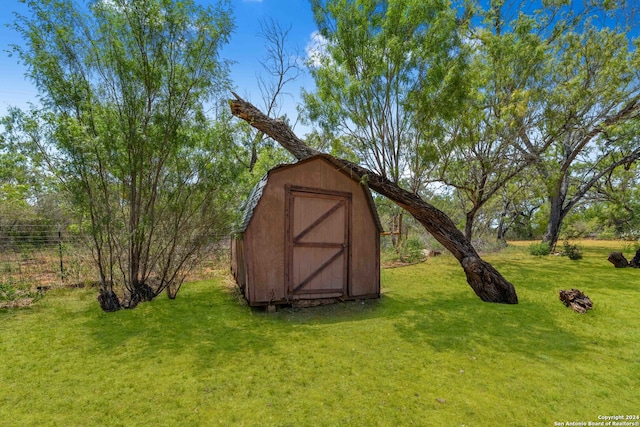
(110, 4)
(316, 49)
(474, 43)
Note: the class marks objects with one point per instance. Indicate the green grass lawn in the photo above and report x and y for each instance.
(428, 353)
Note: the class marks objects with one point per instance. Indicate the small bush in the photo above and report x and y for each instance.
(632, 246)
(573, 252)
(7, 292)
(539, 249)
(407, 251)
(17, 294)
(411, 250)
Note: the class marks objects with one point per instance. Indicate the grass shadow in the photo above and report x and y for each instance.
(341, 312)
(206, 320)
(539, 326)
(447, 323)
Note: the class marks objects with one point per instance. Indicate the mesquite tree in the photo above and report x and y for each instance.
(388, 74)
(561, 87)
(124, 85)
(591, 116)
(478, 154)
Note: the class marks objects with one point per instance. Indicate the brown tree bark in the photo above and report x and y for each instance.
(576, 300)
(635, 261)
(618, 260)
(485, 280)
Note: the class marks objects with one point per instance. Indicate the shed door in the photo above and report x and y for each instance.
(318, 239)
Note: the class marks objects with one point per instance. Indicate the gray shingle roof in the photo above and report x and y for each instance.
(252, 201)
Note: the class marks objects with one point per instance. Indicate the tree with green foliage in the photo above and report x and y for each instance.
(612, 207)
(478, 155)
(381, 59)
(555, 87)
(124, 85)
(16, 183)
(592, 122)
(516, 205)
(27, 192)
(587, 118)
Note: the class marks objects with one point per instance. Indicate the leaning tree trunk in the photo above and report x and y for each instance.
(485, 280)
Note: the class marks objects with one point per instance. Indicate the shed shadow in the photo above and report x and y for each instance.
(339, 312)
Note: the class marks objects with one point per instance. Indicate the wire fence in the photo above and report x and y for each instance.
(43, 255)
(40, 256)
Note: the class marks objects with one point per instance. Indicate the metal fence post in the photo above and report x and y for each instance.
(60, 251)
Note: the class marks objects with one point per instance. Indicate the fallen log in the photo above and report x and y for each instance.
(576, 300)
(618, 260)
(635, 262)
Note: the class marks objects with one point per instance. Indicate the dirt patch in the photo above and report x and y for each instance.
(17, 303)
(397, 264)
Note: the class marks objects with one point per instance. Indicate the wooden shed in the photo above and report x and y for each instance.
(310, 232)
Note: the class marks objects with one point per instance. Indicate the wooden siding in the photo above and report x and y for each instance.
(268, 259)
(318, 237)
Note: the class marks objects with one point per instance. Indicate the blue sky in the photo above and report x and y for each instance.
(246, 48)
